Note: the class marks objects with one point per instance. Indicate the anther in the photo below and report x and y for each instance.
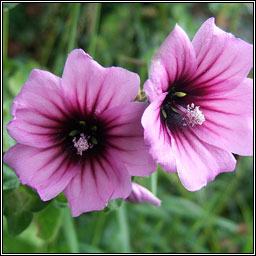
(164, 113)
(180, 94)
(175, 110)
(73, 133)
(83, 123)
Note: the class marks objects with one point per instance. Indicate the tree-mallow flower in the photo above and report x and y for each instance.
(80, 134)
(201, 104)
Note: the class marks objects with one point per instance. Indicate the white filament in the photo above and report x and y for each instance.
(193, 116)
(82, 144)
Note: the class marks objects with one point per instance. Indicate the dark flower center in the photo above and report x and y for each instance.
(83, 138)
(169, 111)
(177, 110)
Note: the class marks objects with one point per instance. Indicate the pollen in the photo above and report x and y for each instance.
(193, 116)
(82, 144)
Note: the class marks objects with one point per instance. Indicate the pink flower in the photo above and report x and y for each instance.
(201, 104)
(80, 134)
(140, 194)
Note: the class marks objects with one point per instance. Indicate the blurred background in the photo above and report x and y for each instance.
(216, 219)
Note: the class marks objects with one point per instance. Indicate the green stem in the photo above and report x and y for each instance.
(70, 231)
(98, 229)
(5, 35)
(74, 20)
(124, 229)
(94, 29)
(154, 183)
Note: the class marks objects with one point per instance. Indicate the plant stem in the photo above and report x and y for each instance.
(124, 229)
(154, 183)
(70, 231)
(74, 20)
(94, 29)
(98, 229)
(5, 35)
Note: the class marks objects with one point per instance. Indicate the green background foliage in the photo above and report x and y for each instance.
(216, 219)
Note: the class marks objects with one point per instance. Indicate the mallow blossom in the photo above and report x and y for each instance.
(80, 134)
(141, 195)
(201, 107)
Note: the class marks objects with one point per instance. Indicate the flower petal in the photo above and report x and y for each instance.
(229, 119)
(223, 60)
(198, 162)
(174, 61)
(124, 134)
(33, 129)
(140, 194)
(46, 170)
(88, 87)
(158, 82)
(98, 181)
(157, 136)
(38, 110)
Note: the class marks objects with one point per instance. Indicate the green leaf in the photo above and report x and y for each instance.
(26, 242)
(34, 203)
(84, 247)
(10, 180)
(18, 218)
(48, 222)
(113, 205)
(19, 78)
(18, 221)
(60, 201)
(19, 205)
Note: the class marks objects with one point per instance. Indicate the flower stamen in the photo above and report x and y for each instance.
(82, 144)
(193, 116)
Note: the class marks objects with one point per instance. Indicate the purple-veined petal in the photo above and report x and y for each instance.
(98, 181)
(158, 82)
(157, 135)
(198, 162)
(229, 119)
(223, 60)
(140, 194)
(33, 129)
(38, 110)
(125, 136)
(174, 61)
(89, 87)
(42, 92)
(47, 170)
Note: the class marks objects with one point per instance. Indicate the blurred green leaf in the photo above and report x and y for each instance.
(60, 201)
(34, 203)
(113, 205)
(18, 217)
(10, 180)
(48, 222)
(87, 248)
(18, 221)
(19, 205)
(26, 242)
(18, 79)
